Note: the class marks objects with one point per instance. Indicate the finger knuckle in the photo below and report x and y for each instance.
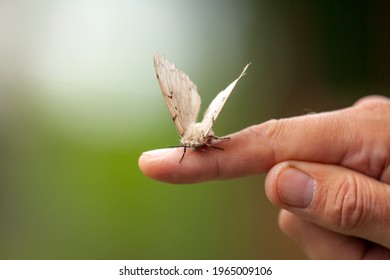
(373, 101)
(345, 206)
(272, 132)
(266, 129)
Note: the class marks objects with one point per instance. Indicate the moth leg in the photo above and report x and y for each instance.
(184, 152)
(219, 138)
(215, 147)
(213, 137)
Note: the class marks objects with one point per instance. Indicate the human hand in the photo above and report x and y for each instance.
(329, 171)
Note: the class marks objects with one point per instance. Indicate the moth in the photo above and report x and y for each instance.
(183, 101)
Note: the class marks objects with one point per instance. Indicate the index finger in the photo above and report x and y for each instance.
(325, 138)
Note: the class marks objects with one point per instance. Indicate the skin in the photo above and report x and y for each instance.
(328, 172)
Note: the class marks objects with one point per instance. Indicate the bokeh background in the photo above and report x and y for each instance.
(79, 102)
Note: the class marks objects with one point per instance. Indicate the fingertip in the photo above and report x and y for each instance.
(155, 163)
(288, 222)
(164, 165)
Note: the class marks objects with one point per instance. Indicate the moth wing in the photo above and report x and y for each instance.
(179, 92)
(217, 104)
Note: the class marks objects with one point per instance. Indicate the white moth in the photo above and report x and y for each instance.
(183, 102)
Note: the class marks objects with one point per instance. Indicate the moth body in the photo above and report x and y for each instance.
(195, 137)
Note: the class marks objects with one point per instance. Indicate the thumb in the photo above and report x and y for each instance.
(333, 197)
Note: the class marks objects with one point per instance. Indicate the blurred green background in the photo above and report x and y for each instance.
(79, 102)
